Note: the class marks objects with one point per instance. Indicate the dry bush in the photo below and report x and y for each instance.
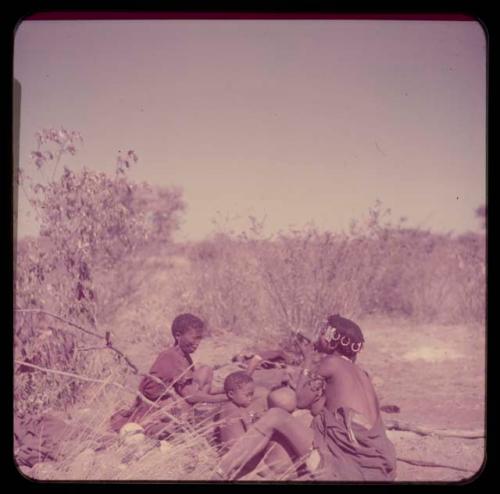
(270, 286)
(91, 453)
(101, 263)
(426, 276)
(90, 222)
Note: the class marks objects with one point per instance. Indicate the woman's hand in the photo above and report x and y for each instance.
(305, 345)
(308, 353)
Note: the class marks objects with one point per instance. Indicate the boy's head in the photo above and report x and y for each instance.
(239, 388)
(342, 335)
(187, 331)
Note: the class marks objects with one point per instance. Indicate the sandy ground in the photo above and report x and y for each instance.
(435, 375)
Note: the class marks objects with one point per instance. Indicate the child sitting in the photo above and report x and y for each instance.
(347, 434)
(236, 415)
(173, 373)
(242, 410)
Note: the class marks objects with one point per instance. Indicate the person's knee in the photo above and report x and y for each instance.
(282, 398)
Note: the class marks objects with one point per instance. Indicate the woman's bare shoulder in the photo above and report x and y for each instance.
(329, 364)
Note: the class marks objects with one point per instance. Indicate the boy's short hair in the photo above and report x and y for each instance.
(183, 322)
(236, 380)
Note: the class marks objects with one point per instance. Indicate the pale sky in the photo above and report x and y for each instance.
(298, 120)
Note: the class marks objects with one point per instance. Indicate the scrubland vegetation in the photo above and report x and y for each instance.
(104, 277)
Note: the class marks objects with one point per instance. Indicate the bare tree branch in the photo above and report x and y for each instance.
(424, 463)
(120, 386)
(85, 378)
(427, 431)
(105, 338)
(40, 311)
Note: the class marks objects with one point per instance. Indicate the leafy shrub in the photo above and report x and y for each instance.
(89, 222)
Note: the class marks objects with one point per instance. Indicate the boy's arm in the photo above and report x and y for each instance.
(192, 394)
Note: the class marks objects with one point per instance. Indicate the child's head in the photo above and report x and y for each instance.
(282, 397)
(341, 335)
(187, 331)
(239, 388)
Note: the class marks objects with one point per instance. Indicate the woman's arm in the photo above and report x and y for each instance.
(309, 390)
(310, 384)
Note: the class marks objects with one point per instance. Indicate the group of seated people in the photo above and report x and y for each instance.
(342, 436)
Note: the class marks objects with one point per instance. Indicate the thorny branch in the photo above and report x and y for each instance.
(105, 338)
(426, 431)
(40, 311)
(86, 378)
(106, 382)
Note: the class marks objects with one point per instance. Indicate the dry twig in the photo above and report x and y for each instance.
(424, 463)
(106, 338)
(427, 431)
(86, 378)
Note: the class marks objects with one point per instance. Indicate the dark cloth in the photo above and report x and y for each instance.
(170, 374)
(169, 368)
(372, 459)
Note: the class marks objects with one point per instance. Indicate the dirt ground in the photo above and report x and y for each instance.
(434, 374)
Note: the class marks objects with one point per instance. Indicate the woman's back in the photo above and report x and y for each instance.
(349, 387)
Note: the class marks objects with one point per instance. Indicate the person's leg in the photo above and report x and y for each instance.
(278, 459)
(258, 436)
(270, 464)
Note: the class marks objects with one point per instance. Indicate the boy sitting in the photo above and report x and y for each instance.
(347, 434)
(242, 410)
(172, 374)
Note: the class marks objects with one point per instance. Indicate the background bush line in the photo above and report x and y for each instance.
(292, 281)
